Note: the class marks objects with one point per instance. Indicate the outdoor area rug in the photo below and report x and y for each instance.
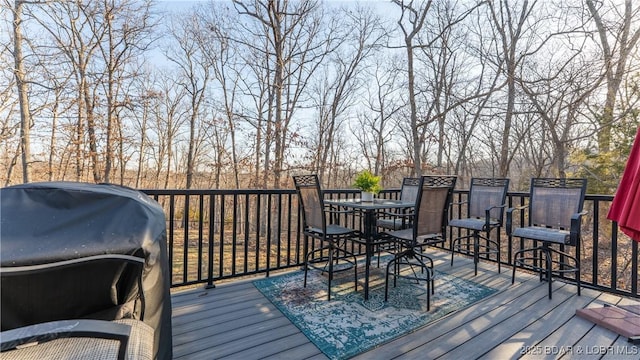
(348, 325)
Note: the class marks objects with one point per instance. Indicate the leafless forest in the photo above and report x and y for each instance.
(244, 93)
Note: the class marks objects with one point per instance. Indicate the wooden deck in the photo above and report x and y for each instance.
(234, 321)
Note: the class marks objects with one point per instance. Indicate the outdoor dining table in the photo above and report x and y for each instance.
(369, 232)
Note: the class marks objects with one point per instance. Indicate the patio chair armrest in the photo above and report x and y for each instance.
(52, 330)
(510, 211)
(334, 215)
(576, 222)
(335, 211)
(460, 202)
(487, 214)
(332, 209)
(408, 212)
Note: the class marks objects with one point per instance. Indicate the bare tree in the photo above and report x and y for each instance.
(76, 32)
(142, 116)
(295, 44)
(257, 115)
(444, 74)
(57, 108)
(169, 112)
(557, 98)
(194, 67)
(127, 25)
(375, 128)
(22, 88)
(99, 41)
(9, 151)
(433, 39)
(469, 122)
(509, 24)
(618, 41)
(411, 22)
(344, 78)
(216, 41)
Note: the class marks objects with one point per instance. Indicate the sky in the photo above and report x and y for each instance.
(184, 4)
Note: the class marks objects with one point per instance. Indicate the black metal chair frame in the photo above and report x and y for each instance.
(429, 224)
(400, 218)
(485, 211)
(554, 218)
(332, 256)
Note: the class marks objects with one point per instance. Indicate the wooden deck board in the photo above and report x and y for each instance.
(596, 336)
(515, 346)
(460, 326)
(486, 330)
(234, 321)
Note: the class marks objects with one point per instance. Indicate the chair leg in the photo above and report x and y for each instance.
(430, 278)
(431, 274)
(386, 279)
(548, 266)
(306, 268)
(396, 271)
(476, 251)
(457, 244)
(331, 250)
(430, 284)
(355, 270)
(334, 254)
(490, 244)
(499, 248)
(565, 266)
(515, 259)
(453, 249)
(543, 265)
(396, 268)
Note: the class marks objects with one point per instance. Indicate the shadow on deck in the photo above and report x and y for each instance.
(235, 321)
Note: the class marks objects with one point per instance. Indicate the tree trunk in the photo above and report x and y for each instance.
(615, 64)
(23, 92)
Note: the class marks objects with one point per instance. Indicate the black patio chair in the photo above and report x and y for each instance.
(553, 219)
(319, 223)
(485, 210)
(429, 224)
(397, 219)
(401, 218)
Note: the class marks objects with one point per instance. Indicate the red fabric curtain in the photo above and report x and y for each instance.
(625, 208)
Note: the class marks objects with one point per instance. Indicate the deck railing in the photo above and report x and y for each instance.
(214, 235)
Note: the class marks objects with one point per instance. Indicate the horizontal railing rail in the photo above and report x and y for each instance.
(215, 235)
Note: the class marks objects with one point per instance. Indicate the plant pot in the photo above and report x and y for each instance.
(366, 196)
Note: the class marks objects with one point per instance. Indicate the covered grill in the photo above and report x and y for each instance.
(54, 222)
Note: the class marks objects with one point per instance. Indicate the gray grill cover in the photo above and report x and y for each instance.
(42, 223)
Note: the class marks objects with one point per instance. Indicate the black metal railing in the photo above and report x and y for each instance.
(215, 235)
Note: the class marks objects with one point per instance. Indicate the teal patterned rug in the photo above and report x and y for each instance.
(348, 325)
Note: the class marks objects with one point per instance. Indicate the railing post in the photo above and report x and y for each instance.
(212, 217)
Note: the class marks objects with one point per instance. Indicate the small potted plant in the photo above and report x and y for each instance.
(368, 183)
